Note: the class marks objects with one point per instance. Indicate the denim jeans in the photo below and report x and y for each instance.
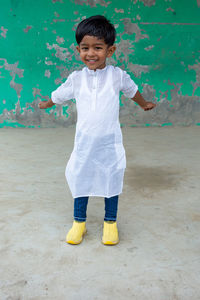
(80, 208)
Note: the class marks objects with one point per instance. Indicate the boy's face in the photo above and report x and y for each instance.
(94, 51)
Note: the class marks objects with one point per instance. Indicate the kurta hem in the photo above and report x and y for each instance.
(92, 195)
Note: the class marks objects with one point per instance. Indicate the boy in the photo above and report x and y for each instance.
(97, 163)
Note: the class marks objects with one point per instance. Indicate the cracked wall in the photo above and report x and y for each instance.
(158, 44)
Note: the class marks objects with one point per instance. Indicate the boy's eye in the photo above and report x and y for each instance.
(98, 48)
(84, 48)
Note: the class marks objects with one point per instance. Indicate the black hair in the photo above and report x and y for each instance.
(97, 26)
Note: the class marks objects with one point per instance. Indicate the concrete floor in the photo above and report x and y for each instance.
(158, 256)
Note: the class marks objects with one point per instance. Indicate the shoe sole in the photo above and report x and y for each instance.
(76, 243)
(109, 243)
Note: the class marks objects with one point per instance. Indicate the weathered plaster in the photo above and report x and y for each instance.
(149, 48)
(58, 20)
(54, 1)
(27, 28)
(47, 73)
(119, 10)
(166, 70)
(92, 3)
(64, 73)
(61, 52)
(60, 40)
(170, 9)
(137, 70)
(130, 28)
(176, 110)
(4, 31)
(13, 72)
(124, 48)
(196, 68)
(146, 2)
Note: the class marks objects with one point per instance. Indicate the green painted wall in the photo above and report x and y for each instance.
(158, 43)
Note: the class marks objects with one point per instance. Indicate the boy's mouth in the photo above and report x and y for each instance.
(91, 60)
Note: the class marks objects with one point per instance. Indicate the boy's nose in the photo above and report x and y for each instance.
(91, 52)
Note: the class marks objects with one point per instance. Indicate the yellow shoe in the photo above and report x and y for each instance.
(110, 234)
(75, 234)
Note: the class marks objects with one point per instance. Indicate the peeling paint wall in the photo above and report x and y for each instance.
(158, 43)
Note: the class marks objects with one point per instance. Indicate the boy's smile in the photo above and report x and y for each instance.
(94, 51)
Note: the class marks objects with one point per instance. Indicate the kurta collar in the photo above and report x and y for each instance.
(92, 72)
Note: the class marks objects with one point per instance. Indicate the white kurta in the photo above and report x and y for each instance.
(97, 163)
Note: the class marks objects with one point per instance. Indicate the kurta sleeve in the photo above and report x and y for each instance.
(128, 86)
(64, 91)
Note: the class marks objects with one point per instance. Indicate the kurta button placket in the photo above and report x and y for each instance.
(94, 91)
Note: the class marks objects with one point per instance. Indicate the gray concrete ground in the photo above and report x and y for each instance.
(158, 256)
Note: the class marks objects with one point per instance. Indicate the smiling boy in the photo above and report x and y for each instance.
(97, 163)
(94, 51)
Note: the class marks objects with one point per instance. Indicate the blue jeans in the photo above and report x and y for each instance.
(80, 208)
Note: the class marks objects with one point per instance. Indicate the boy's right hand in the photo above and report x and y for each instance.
(45, 104)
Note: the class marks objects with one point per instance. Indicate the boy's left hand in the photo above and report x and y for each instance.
(148, 106)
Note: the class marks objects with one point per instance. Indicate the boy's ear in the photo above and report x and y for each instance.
(111, 50)
(78, 48)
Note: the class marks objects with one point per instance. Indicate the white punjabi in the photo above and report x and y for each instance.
(98, 161)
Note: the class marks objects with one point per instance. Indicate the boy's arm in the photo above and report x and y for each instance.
(46, 104)
(143, 103)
